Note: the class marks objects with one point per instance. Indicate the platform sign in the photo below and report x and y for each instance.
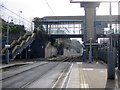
(80, 1)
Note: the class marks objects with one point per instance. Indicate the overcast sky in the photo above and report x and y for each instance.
(40, 8)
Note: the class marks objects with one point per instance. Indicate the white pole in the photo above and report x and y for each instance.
(90, 51)
(7, 41)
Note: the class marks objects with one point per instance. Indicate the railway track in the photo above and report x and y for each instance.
(7, 75)
(25, 78)
(60, 80)
(63, 78)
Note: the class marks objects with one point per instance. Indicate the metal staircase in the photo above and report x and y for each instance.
(17, 46)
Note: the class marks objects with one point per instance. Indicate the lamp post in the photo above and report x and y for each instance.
(111, 54)
(90, 51)
(29, 52)
(7, 41)
(116, 27)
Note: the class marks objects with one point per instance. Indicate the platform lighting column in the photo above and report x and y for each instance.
(111, 57)
(29, 50)
(118, 35)
(90, 51)
(116, 27)
(118, 52)
(7, 41)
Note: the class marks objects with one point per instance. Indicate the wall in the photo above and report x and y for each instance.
(50, 50)
(67, 52)
(38, 48)
(70, 52)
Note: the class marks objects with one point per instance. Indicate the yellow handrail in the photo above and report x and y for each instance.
(19, 38)
(3, 50)
(17, 46)
(33, 34)
(27, 39)
(13, 43)
(21, 42)
(24, 35)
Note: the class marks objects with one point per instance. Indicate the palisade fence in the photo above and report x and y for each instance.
(17, 18)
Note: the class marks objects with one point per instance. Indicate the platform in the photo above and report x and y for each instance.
(92, 75)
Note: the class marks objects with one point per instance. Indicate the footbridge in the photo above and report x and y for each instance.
(74, 26)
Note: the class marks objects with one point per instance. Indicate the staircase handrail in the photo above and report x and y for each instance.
(17, 46)
(15, 41)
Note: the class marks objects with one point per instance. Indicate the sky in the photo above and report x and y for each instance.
(40, 8)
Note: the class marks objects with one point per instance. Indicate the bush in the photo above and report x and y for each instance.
(13, 28)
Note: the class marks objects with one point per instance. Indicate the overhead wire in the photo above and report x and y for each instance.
(15, 13)
(49, 6)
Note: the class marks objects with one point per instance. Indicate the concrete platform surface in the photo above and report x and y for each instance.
(92, 75)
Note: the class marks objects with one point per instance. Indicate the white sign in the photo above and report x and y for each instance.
(7, 46)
